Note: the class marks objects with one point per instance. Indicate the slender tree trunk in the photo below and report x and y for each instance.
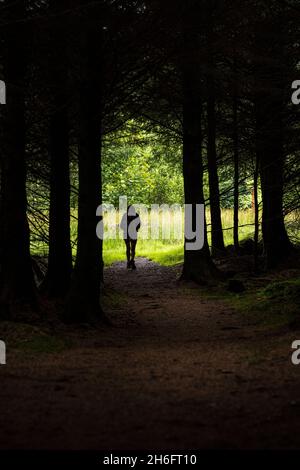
(269, 108)
(17, 287)
(83, 303)
(236, 167)
(198, 265)
(256, 212)
(217, 239)
(101, 241)
(58, 276)
(59, 271)
(276, 241)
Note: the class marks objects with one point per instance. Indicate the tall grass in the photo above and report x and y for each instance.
(167, 251)
(170, 251)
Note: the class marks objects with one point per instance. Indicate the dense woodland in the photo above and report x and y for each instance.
(174, 101)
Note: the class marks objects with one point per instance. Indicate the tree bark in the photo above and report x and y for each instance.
(217, 239)
(58, 276)
(83, 302)
(256, 212)
(236, 164)
(17, 287)
(269, 109)
(198, 265)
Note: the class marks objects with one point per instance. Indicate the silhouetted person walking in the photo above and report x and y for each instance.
(130, 224)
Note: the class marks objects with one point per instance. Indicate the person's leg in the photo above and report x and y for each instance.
(127, 243)
(133, 245)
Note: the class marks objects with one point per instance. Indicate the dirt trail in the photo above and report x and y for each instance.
(176, 371)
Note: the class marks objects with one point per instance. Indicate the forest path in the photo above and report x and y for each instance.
(178, 370)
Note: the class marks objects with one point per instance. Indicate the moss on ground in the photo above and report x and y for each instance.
(43, 344)
(275, 305)
(33, 339)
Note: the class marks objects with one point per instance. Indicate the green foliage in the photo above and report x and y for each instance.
(226, 185)
(146, 168)
(148, 171)
(145, 173)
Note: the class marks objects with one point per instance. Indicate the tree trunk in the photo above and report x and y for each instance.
(198, 265)
(58, 276)
(17, 287)
(276, 242)
(256, 213)
(217, 239)
(269, 108)
(59, 271)
(83, 303)
(236, 167)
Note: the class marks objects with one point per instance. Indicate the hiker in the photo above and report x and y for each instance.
(130, 224)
